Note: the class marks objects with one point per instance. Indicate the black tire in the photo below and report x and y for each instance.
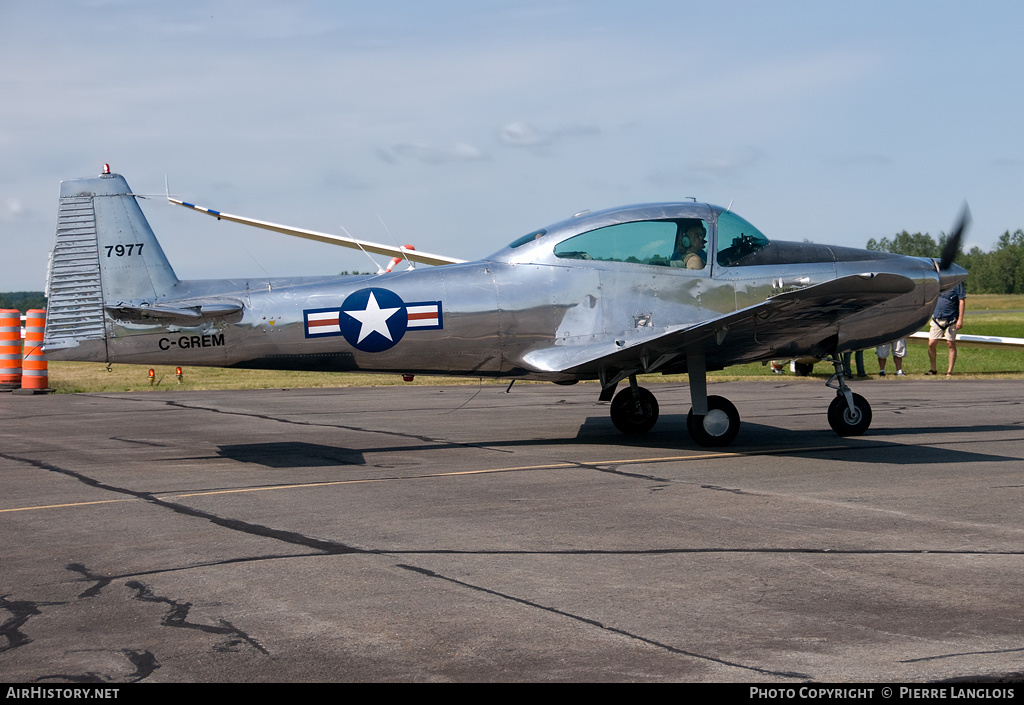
(846, 422)
(718, 428)
(630, 420)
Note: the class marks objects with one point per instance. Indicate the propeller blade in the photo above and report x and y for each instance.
(949, 252)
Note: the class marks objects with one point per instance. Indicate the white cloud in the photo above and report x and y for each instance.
(426, 154)
(727, 162)
(525, 135)
(521, 134)
(14, 209)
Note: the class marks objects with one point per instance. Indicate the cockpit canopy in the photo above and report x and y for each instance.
(662, 235)
(664, 243)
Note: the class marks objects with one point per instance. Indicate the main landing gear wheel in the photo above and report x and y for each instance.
(846, 421)
(631, 419)
(718, 427)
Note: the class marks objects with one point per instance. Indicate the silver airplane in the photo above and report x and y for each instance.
(657, 288)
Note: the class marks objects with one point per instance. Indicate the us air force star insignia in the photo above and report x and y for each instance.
(373, 320)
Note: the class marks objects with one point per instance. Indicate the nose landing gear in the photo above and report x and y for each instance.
(849, 414)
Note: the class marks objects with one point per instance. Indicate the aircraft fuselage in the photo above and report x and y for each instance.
(484, 318)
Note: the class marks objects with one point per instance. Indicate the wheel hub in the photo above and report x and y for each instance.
(716, 422)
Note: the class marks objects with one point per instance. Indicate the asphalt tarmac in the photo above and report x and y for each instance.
(466, 534)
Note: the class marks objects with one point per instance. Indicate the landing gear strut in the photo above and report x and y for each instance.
(713, 421)
(849, 414)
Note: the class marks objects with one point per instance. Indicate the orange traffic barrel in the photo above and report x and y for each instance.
(10, 348)
(33, 368)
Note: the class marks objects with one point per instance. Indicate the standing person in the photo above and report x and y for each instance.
(899, 351)
(946, 321)
(859, 356)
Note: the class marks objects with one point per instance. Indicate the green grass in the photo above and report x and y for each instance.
(73, 377)
(995, 302)
(972, 360)
(989, 314)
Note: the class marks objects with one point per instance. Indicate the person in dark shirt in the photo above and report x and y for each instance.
(946, 321)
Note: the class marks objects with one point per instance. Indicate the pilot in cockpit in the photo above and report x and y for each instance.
(689, 249)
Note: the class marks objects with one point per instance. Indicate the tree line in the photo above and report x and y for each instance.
(22, 300)
(1000, 271)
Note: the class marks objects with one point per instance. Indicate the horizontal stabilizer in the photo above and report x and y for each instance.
(376, 248)
(191, 314)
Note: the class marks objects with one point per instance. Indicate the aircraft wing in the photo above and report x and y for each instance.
(376, 248)
(786, 325)
(982, 340)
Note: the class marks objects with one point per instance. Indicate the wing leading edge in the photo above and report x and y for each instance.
(787, 324)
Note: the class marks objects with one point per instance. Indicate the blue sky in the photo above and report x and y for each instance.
(462, 125)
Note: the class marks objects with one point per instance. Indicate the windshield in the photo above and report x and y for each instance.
(737, 240)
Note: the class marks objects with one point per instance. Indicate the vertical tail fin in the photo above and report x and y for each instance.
(105, 253)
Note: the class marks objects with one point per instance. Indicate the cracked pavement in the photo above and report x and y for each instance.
(466, 534)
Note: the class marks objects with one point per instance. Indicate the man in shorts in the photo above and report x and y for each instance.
(899, 351)
(946, 321)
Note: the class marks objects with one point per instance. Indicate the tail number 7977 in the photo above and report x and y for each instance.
(124, 250)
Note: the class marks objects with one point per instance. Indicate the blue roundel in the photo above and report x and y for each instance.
(373, 320)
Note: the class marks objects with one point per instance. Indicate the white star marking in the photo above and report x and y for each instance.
(373, 319)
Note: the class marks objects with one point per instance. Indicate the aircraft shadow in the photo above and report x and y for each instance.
(291, 454)
(758, 439)
(670, 436)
